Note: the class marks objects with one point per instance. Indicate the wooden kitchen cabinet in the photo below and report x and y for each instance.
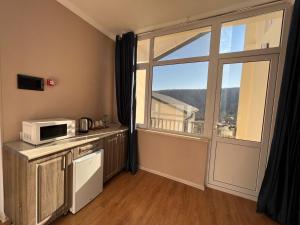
(52, 186)
(115, 154)
(110, 153)
(122, 142)
(38, 190)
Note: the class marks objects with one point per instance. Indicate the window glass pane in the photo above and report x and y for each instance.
(178, 97)
(143, 50)
(192, 43)
(140, 96)
(257, 32)
(242, 105)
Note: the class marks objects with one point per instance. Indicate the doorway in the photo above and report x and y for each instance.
(242, 123)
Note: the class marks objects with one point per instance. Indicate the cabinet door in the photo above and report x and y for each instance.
(122, 151)
(110, 157)
(52, 183)
(115, 155)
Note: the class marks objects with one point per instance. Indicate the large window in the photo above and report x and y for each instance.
(192, 43)
(178, 97)
(178, 72)
(263, 31)
(179, 81)
(242, 104)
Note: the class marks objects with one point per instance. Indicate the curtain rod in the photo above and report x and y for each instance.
(187, 22)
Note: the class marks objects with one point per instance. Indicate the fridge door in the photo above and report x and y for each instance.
(87, 179)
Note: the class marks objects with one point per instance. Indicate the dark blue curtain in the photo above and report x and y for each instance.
(125, 72)
(279, 197)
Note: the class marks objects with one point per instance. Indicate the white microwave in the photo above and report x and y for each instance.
(47, 130)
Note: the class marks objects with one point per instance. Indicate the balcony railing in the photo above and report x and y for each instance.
(226, 130)
(194, 127)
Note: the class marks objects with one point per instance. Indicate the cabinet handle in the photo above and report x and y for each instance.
(64, 163)
(85, 148)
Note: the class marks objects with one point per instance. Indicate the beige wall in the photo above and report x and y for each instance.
(255, 77)
(252, 100)
(45, 39)
(2, 215)
(163, 110)
(166, 116)
(263, 29)
(180, 158)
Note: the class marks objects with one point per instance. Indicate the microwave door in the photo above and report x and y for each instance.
(53, 132)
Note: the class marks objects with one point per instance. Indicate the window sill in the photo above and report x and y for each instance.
(165, 133)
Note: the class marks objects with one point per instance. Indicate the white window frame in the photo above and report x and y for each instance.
(214, 58)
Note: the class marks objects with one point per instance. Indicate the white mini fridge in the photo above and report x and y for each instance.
(87, 179)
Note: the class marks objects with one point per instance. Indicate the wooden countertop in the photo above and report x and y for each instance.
(31, 152)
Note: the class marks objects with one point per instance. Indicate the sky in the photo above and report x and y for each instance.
(194, 75)
(180, 76)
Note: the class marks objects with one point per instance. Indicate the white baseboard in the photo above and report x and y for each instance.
(198, 186)
(189, 183)
(236, 193)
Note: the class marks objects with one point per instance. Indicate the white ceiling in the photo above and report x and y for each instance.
(118, 16)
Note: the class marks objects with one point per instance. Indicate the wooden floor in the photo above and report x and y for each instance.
(146, 199)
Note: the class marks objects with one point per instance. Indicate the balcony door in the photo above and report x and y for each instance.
(242, 123)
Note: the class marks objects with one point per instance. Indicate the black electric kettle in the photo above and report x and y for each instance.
(85, 124)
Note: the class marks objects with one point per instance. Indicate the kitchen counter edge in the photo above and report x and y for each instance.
(32, 152)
